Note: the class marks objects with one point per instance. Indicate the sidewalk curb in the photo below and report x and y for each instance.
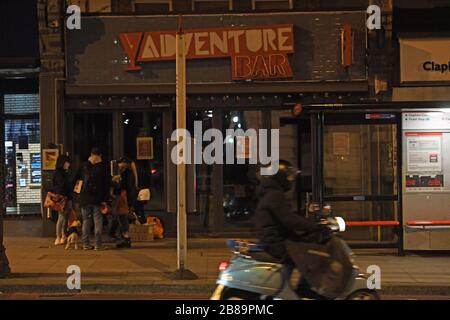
(386, 289)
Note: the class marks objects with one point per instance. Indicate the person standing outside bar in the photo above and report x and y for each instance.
(125, 193)
(94, 195)
(62, 185)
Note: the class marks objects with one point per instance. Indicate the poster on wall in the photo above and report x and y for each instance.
(424, 151)
(35, 160)
(144, 148)
(341, 143)
(424, 161)
(49, 157)
(243, 147)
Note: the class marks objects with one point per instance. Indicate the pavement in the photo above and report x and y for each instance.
(40, 267)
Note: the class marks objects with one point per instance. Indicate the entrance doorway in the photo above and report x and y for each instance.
(137, 135)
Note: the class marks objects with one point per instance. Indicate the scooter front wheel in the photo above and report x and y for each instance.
(236, 294)
(364, 295)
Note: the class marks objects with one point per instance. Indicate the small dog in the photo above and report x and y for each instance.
(73, 232)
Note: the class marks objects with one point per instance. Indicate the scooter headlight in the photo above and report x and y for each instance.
(341, 224)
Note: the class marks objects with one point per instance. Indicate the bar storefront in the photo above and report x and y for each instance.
(243, 71)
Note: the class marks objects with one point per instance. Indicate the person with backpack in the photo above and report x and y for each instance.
(94, 195)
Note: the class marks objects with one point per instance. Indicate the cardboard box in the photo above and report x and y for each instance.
(141, 232)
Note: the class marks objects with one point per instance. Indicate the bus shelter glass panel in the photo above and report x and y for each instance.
(360, 176)
(360, 160)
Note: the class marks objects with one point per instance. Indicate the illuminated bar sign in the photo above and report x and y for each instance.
(257, 52)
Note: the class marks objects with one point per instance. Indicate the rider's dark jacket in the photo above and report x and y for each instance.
(275, 220)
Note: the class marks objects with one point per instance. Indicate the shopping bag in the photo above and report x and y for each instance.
(158, 229)
(144, 195)
(55, 202)
(120, 204)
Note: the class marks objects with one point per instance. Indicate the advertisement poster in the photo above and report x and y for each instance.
(424, 161)
(341, 143)
(144, 148)
(35, 160)
(49, 157)
(424, 151)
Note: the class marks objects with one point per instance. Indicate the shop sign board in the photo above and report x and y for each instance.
(256, 52)
(425, 60)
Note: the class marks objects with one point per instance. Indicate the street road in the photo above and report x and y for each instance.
(165, 296)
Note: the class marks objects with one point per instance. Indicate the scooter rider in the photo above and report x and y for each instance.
(275, 220)
(277, 223)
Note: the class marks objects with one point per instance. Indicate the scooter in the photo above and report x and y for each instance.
(251, 274)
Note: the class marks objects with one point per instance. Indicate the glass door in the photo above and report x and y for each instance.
(142, 137)
(360, 178)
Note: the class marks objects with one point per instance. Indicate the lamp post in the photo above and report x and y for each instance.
(4, 263)
(182, 272)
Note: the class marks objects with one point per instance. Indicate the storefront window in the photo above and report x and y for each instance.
(22, 154)
(240, 182)
(203, 175)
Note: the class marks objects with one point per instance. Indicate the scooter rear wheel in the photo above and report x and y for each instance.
(364, 295)
(236, 294)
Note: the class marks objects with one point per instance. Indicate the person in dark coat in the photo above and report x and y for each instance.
(276, 222)
(126, 181)
(93, 196)
(62, 185)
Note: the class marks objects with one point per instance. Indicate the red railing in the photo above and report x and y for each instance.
(376, 223)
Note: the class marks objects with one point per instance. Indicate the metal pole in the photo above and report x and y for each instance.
(4, 263)
(182, 272)
(181, 172)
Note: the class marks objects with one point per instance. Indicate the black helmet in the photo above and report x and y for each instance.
(286, 175)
